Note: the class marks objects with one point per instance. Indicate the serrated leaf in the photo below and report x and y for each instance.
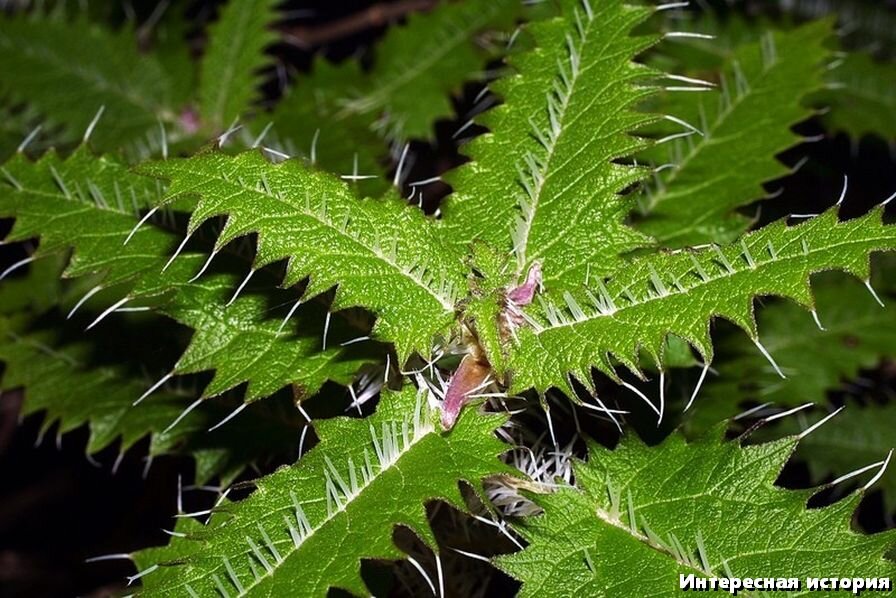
(743, 125)
(63, 380)
(69, 70)
(308, 122)
(680, 292)
(383, 255)
(643, 516)
(348, 120)
(56, 199)
(855, 439)
(229, 79)
(419, 65)
(342, 499)
(862, 24)
(90, 204)
(101, 396)
(858, 334)
(17, 123)
(544, 181)
(862, 98)
(242, 342)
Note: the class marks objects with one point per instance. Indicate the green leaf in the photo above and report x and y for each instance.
(347, 120)
(858, 334)
(229, 71)
(93, 200)
(383, 255)
(680, 292)
(65, 381)
(17, 122)
(342, 499)
(242, 342)
(68, 71)
(742, 126)
(102, 396)
(419, 65)
(862, 98)
(862, 24)
(854, 439)
(643, 516)
(90, 204)
(543, 181)
(74, 383)
(308, 122)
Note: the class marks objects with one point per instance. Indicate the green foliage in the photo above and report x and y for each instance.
(856, 98)
(310, 122)
(16, 123)
(301, 273)
(530, 171)
(229, 72)
(865, 23)
(419, 64)
(858, 333)
(853, 440)
(339, 501)
(641, 516)
(90, 204)
(69, 70)
(741, 126)
(103, 397)
(73, 383)
(384, 255)
(679, 293)
(862, 99)
(348, 120)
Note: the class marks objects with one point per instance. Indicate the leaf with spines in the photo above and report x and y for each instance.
(858, 333)
(543, 181)
(229, 72)
(862, 97)
(58, 379)
(348, 121)
(68, 71)
(417, 66)
(89, 198)
(858, 437)
(243, 341)
(383, 255)
(856, 98)
(18, 123)
(642, 516)
(862, 24)
(342, 499)
(63, 381)
(73, 383)
(91, 204)
(742, 125)
(309, 122)
(681, 292)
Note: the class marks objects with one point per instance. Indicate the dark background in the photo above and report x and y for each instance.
(57, 509)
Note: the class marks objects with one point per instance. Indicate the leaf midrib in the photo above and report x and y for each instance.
(293, 549)
(200, 176)
(709, 280)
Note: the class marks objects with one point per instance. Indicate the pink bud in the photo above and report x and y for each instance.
(468, 378)
(523, 294)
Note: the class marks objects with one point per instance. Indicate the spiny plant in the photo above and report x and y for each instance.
(606, 216)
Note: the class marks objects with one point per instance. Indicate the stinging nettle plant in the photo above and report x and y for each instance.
(499, 354)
